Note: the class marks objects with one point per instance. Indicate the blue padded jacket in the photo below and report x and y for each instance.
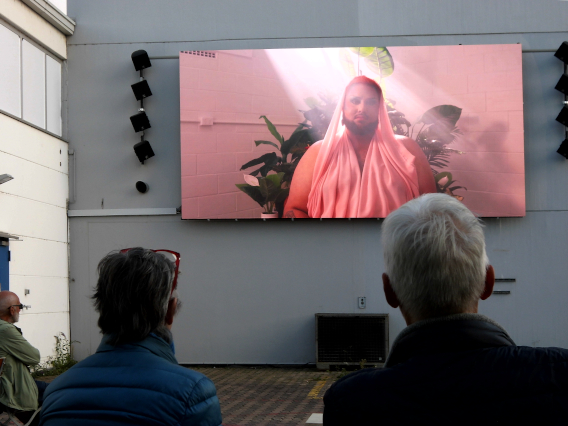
(457, 370)
(138, 383)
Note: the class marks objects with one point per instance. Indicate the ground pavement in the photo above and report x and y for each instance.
(267, 396)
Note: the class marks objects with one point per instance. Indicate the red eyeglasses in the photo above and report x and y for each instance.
(172, 256)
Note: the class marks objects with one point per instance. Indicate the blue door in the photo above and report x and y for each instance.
(4, 267)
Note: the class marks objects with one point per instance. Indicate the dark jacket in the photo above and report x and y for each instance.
(457, 370)
(139, 383)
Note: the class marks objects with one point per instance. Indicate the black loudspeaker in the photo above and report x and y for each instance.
(562, 85)
(563, 150)
(143, 151)
(141, 60)
(141, 90)
(140, 121)
(563, 116)
(142, 187)
(562, 52)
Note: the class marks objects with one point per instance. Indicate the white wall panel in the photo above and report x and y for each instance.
(33, 84)
(47, 294)
(21, 16)
(53, 93)
(40, 329)
(24, 141)
(35, 182)
(36, 257)
(22, 216)
(10, 95)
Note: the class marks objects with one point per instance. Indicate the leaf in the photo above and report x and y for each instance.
(257, 143)
(312, 102)
(347, 64)
(450, 114)
(268, 158)
(300, 137)
(362, 51)
(251, 180)
(252, 191)
(380, 62)
(272, 129)
(276, 179)
(442, 175)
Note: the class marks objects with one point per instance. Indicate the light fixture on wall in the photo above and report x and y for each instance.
(562, 86)
(563, 150)
(140, 60)
(140, 121)
(141, 90)
(5, 178)
(143, 151)
(562, 52)
(142, 187)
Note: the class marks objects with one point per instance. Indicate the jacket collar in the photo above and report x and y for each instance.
(152, 343)
(452, 333)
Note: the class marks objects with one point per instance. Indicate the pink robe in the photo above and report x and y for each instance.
(339, 188)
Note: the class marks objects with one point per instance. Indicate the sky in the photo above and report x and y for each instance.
(60, 4)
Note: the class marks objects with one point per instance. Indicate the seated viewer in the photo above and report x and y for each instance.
(134, 377)
(450, 366)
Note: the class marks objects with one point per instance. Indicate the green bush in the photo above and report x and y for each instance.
(61, 362)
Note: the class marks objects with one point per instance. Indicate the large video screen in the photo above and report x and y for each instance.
(350, 132)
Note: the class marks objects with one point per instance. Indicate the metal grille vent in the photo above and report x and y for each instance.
(200, 53)
(347, 339)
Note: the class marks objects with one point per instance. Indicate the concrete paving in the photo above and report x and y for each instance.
(266, 396)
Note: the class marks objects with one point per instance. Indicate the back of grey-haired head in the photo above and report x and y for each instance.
(132, 294)
(435, 257)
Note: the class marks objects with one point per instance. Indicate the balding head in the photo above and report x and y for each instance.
(9, 312)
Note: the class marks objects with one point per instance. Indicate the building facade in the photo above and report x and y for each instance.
(251, 289)
(34, 157)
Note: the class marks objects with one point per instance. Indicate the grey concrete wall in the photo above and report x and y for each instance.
(250, 290)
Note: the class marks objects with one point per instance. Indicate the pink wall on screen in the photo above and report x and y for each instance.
(233, 88)
(486, 82)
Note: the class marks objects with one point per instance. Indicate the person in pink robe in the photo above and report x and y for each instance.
(361, 169)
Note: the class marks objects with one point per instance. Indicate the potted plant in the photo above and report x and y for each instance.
(291, 151)
(266, 191)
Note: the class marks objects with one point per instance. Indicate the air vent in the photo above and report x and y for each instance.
(351, 339)
(200, 53)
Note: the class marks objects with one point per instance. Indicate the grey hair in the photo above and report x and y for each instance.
(132, 295)
(434, 251)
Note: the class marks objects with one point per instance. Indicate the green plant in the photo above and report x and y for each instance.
(61, 362)
(295, 147)
(438, 129)
(266, 191)
(270, 191)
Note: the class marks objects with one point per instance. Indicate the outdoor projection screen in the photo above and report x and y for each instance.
(462, 105)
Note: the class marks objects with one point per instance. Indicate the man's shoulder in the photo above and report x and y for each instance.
(133, 364)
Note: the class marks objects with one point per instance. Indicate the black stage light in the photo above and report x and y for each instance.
(563, 116)
(140, 121)
(563, 150)
(142, 187)
(143, 151)
(141, 60)
(141, 90)
(562, 85)
(562, 52)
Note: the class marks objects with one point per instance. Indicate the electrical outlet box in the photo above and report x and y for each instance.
(362, 302)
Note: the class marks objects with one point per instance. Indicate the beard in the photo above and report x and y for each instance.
(16, 317)
(365, 130)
